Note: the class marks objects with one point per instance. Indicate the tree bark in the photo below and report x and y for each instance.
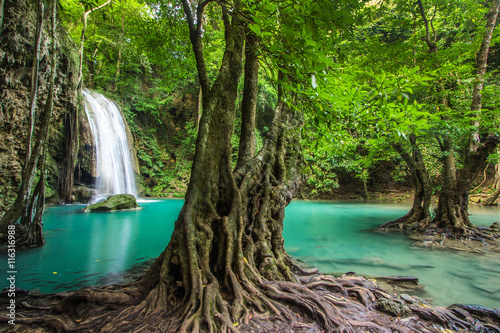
(2, 5)
(431, 42)
(248, 141)
(450, 211)
(419, 214)
(492, 198)
(119, 57)
(71, 126)
(453, 203)
(228, 237)
(454, 198)
(32, 206)
(481, 62)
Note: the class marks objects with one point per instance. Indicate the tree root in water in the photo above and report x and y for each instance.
(474, 239)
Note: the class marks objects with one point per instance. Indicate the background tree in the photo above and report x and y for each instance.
(450, 37)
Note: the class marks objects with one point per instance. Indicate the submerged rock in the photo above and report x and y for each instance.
(113, 203)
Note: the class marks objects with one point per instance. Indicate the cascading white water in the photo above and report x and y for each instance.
(113, 160)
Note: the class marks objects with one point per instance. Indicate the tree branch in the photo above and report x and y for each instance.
(195, 38)
(248, 142)
(431, 44)
(82, 40)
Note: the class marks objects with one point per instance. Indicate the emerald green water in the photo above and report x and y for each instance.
(96, 248)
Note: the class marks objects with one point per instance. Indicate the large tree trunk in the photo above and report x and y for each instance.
(227, 246)
(228, 237)
(450, 210)
(453, 206)
(419, 215)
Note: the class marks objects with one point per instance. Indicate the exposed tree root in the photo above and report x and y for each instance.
(345, 304)
(471, 239)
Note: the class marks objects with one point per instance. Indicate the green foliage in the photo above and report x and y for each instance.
(361, 73)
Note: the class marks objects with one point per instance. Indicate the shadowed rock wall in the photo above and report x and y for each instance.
(16, 51)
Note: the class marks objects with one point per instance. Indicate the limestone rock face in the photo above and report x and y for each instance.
(113, 203)
(16, 53)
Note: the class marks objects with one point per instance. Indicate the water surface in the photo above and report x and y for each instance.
(94, 248)
(337, 237)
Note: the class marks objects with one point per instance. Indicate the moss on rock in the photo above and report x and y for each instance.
(113, 203)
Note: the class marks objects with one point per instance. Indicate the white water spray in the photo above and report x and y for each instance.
(113, 160)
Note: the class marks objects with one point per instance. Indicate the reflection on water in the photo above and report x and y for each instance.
(91, 248)
(95, 248)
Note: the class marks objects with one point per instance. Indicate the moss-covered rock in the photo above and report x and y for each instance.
(393, 307)
(113, 203)
(495, 227)
(82, 194)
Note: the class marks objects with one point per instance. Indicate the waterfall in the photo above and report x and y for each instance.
(113, 163)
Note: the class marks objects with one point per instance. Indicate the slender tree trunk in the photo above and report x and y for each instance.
(33, 205)
(72, 120)
(199, 110)
(120, 46)
(34, 236)
(86, 14)
(21, 204)
(2, 5)
(497, 173)
(71, 153)
(481, 63)
(429, 40)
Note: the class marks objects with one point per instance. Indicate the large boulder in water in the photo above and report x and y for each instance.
(113, 203)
